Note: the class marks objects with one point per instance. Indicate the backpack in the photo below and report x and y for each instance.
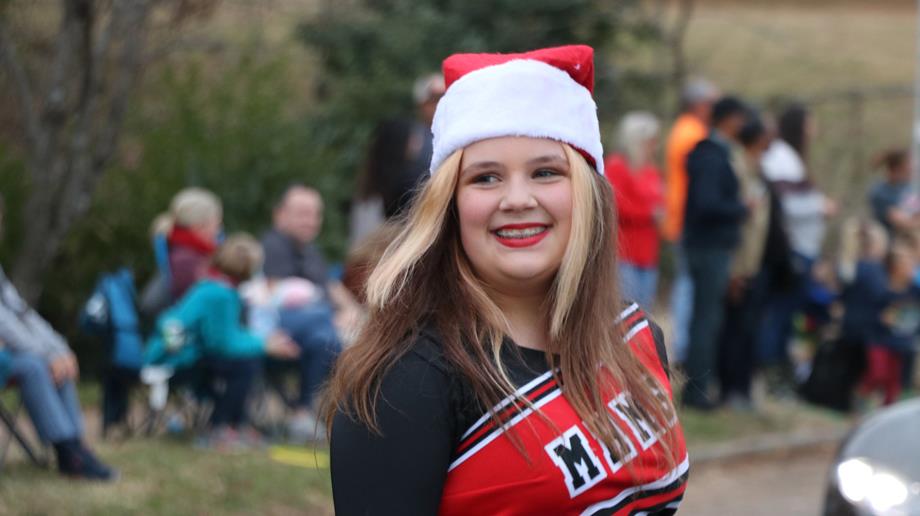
(111, 313)
(835, 372)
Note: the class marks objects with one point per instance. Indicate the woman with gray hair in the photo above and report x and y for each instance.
(636, 183)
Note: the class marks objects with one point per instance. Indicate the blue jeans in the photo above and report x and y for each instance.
(709, 267)
(312, 329)
(777, 324)
(681, 306)
(54, 409)
(639, 284)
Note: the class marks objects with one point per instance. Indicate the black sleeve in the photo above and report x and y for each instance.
(278, 262)
(660, 347)
(402, 471)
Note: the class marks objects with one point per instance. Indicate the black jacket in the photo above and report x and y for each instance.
(714, 211)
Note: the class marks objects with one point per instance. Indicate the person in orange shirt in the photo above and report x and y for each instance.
(690, 128)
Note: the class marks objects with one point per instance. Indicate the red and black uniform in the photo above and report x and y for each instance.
(441, 453)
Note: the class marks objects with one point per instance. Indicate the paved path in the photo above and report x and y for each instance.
(789, 484)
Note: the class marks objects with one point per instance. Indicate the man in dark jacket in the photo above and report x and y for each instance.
(291, 252)
(712, 222)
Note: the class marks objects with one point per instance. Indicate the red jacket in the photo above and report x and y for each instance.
(638, 195)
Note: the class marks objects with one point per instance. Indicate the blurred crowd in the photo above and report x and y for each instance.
(223, 316)
(731, 216)
(759, 289)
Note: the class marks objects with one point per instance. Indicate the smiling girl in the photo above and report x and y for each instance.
(499, 371)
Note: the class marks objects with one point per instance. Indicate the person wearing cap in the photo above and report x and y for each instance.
(690, 128)
(396, 163)
(712, 230)
(499, 371)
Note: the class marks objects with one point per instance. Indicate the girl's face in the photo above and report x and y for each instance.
(514, 201)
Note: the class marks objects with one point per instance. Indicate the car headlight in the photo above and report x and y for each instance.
(884, 492)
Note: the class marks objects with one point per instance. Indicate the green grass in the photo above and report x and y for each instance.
(170, 477)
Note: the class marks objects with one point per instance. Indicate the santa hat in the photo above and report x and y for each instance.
(545, 93)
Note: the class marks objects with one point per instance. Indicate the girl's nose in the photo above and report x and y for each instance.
(518, 194)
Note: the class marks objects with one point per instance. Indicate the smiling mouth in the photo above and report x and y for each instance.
(521, 235)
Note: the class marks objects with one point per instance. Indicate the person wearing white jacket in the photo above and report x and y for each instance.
(805, 213)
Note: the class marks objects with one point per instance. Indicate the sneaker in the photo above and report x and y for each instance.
(79, 462)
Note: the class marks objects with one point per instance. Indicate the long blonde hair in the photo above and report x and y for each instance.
(582, 308)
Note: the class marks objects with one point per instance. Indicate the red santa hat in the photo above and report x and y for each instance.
(544, 93)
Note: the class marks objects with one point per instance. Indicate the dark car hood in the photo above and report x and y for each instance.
(890, 439)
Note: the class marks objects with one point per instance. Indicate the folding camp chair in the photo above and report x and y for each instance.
(169, 396)
(273, 398)
(14, 433)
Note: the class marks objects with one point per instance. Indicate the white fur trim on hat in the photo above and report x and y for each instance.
(518, 98)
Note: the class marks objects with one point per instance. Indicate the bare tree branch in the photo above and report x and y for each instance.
(104, 40)
(92, 150)
(129, 65)
(78, 113)
(61, 64)
(23, 87)
(199, 43)
(677, 39)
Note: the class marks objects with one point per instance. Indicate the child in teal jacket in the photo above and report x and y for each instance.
(204, 332)
(205, 321)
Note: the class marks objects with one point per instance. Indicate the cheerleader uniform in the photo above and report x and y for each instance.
(441, 453)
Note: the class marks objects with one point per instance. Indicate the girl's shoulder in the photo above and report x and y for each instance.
(424, 351)
(644, 334)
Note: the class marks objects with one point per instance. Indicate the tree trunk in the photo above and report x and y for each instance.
(676, 44)
(72, 129)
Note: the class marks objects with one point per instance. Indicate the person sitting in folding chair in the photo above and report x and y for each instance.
(8, 418)
(46, 371)
(202, 335)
